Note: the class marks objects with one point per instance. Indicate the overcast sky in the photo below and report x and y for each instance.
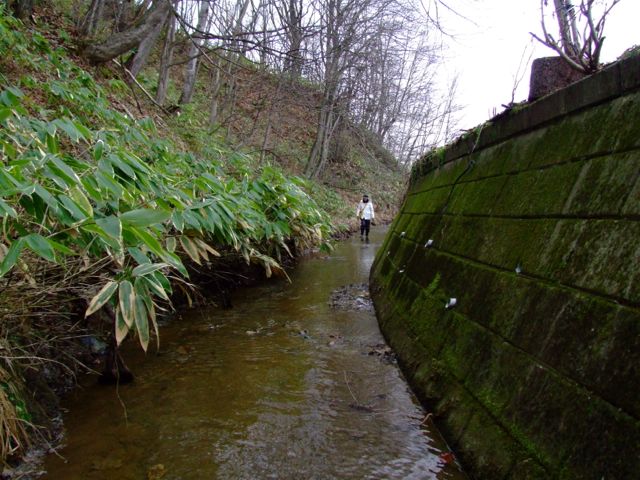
(486, 50)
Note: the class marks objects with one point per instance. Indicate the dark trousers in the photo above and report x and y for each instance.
(364, 226)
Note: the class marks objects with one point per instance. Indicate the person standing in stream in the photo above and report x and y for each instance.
(365, 213)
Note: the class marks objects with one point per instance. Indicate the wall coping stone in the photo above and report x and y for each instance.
(615, 80)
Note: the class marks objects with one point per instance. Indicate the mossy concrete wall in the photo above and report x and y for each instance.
(535, 372)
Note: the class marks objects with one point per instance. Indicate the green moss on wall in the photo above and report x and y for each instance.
(534, 374)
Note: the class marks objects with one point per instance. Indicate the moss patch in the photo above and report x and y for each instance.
(534, 373)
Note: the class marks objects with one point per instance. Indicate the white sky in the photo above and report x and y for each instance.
(485, 50)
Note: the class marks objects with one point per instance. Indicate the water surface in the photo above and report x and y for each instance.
(281, 386)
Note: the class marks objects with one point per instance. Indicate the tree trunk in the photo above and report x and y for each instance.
(563, 12)
(139, 60)
(320, 150)
(23, 9)
(267, 131)
(126, 13)
(215, 92)
(194, 51)
(89, 23)
(324, 148)
(165, 61)
(293, 62)
(242, 6)
(127, 40)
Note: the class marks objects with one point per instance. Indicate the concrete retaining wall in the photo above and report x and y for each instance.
(535, 222)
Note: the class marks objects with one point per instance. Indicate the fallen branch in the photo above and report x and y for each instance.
(139, 85)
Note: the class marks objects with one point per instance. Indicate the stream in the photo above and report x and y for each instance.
(291, 383)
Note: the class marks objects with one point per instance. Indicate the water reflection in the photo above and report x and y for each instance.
(281, 386)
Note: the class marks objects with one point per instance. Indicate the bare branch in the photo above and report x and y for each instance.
(581, 52)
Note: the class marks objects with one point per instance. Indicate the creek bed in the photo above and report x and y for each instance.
(291, 383)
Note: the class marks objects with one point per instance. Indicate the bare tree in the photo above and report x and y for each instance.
(89, 23)
(373, 60)
(144, 49)
(344, 35)
(130, 38)
(291, 15)
(191, 69)
(383, 80)
(165, 60)
(581, 31)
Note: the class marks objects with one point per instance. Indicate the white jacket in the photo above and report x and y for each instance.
(365, 210)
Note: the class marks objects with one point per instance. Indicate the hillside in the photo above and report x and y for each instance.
(274, 119)
(112, 206)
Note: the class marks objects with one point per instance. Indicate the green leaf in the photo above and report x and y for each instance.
(93, 229)
(98, 150)
(190, 249)
(5, 113)
(40, 246)
(9, 150)
(51, 128)
(126, 169)
(142, 323)
(11, 257)
(155, 287)
(9, 179)
(69, 128)
(11, 97)
(162, 280)
(49, 199)
(73, 208)
(53, 175)
(134, 162)
(138, 256)
(91, 187)
(64, 170)
(147, 268)
(178, 220)
(173, 260)
(127, 302)
(191, 220)
(27, 189)
(79, 197)
(152, 316)
(171, 244)
(142, 290)
(150, 242)
(60, 247)
(144, 217)
(84, 131)
(109, 184)
(121, 327)
(102, 297)
(111, 226)
(52, 144)
(148, 124)
(7, 210)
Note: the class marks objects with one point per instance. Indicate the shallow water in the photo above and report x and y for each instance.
(246, 393)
